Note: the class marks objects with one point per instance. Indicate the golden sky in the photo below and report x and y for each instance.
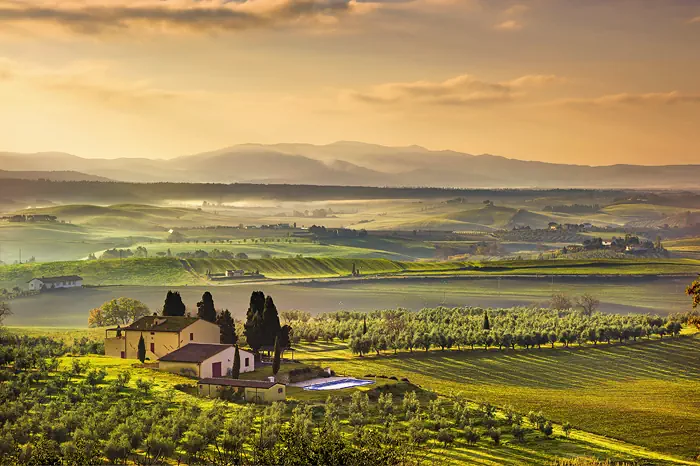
(573, 81)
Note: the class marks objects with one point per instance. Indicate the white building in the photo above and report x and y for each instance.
(205, 360)
(50, 283)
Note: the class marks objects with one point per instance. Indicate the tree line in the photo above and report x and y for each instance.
(470, 327)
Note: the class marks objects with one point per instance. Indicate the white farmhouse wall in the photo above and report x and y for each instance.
(225, 357)
(247, 361)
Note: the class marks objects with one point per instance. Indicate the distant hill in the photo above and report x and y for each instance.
(500, 217)
(358, 164)
(50, 175)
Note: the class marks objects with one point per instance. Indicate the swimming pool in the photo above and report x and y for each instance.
(338, 384)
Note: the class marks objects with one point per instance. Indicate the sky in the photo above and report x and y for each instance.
(592, 82)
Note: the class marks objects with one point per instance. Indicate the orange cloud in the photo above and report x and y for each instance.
(96, 17)
(461, 90)
(653, 98)
(510, 25)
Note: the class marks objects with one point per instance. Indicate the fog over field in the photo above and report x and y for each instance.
(69, 308)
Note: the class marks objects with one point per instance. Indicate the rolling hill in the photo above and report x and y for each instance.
(358, 164)
(500, 217)
(50, 175)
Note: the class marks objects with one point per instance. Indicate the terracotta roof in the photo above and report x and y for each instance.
(65, 278)
(162, 323)
(195, 352)
(239, 383)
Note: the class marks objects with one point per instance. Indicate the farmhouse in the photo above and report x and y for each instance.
(235, 273)
(162, 335)
(257, 391)
(50, 283)
(204, 360)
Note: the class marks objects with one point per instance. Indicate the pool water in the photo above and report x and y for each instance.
(339, 384)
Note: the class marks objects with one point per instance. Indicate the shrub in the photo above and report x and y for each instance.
(144, 385)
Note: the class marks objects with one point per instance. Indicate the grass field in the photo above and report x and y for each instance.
(643, 393)
(171, 271)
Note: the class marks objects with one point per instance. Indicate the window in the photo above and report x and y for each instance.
(280, 390)
(191, 336)
(247, 362)
(153, 333)
(153, 347)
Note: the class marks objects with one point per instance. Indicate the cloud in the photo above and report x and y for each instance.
(509, 25)
(626, 99)
(695, 20)
(516, 9)
(105, 16)
(460, 90)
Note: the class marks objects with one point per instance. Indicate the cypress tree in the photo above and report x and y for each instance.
(227, 328)
(205, 308)
(364, 325)
(254, 330)
(141, 351)
(236, 372)
(270, 322)
(487, 324)
(278, 356)
(173, 305)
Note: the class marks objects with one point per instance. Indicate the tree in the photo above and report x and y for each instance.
(236, 372)
(277, 357)
(588, 303)
(560, 301)
(486, 325)
(566, 428)
(495, 435)
(694, 291)
(117, 312)
(141, 351)
(96, 318)
(5, 311)
(270, 322)
(227, 327)
(205, 308)
(364, 326)
(173, 305)
(254, 321)
(446, 437)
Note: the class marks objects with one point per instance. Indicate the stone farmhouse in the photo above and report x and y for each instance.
(162, 335)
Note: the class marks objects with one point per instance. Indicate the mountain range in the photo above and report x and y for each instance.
(351, 164)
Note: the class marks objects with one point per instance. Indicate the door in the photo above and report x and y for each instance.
(123, 355)
(216, 369)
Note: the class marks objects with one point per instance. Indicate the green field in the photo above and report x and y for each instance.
(643, 393)
(171, 271)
